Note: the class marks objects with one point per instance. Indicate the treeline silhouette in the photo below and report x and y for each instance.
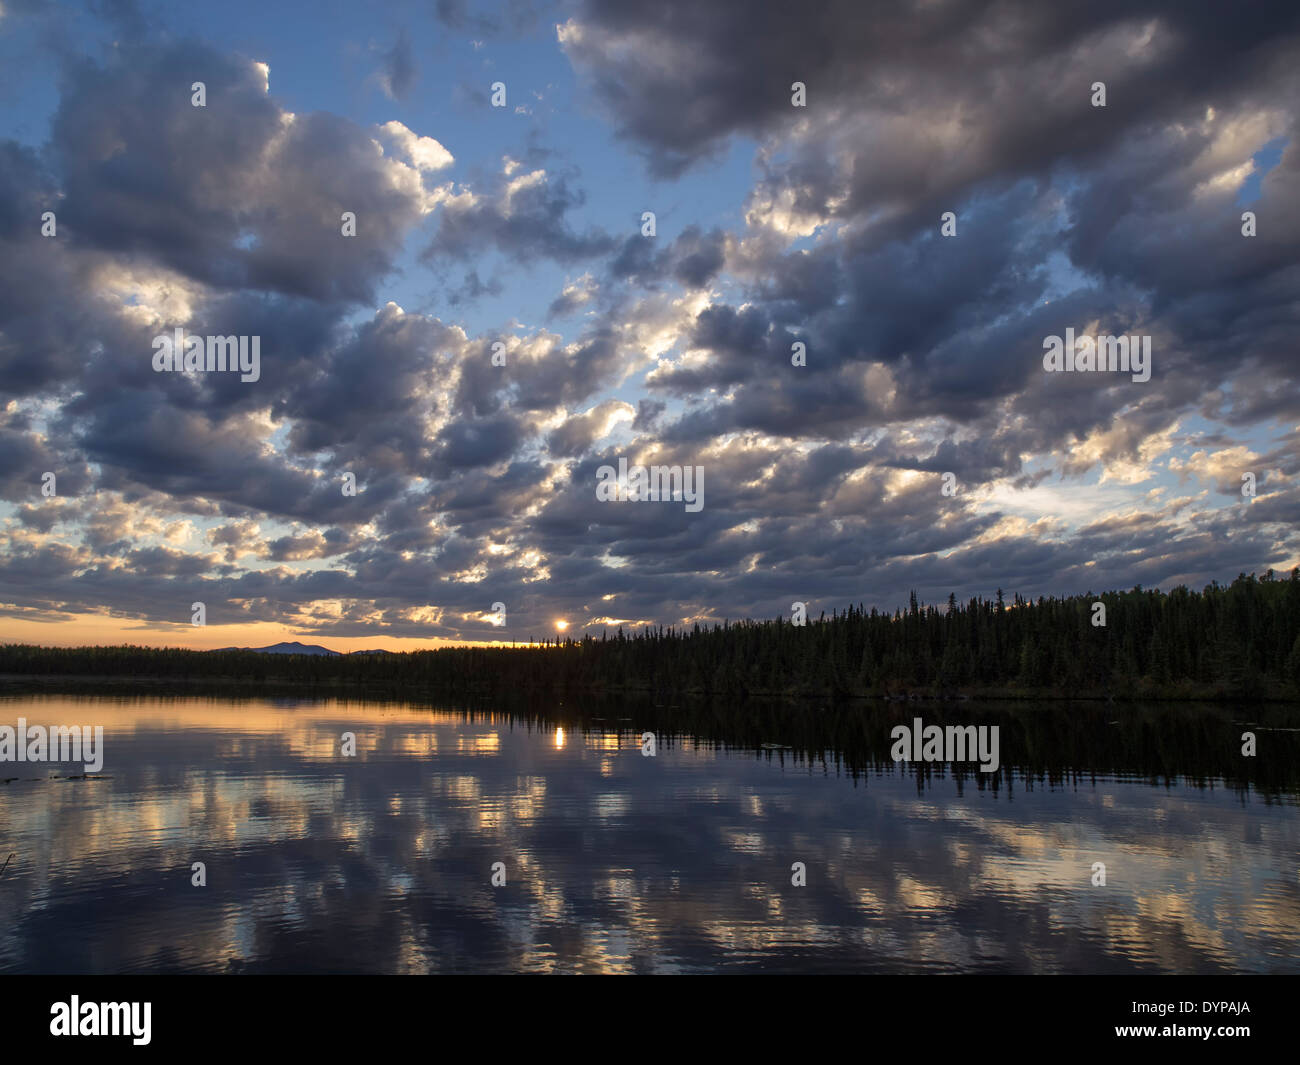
(1224, 642)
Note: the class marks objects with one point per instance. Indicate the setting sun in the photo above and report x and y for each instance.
(561, 625)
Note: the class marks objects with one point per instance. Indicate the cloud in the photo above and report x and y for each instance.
(476, 481)
(240, 194)
(521, 215)
(397, 72)
(423, 153)
(580, 431)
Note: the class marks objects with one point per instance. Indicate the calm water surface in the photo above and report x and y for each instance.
(614, 862)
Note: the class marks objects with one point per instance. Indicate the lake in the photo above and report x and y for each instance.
(615, 861)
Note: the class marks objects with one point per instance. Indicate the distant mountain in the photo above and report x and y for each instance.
(377, 651)
(294, 648)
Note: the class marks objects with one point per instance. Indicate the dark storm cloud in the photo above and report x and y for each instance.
(473, 442)
(1222, 297)
(237, 194)
(483, 502)
(238, 204)
(574, 296)
(472, 288)
(540, 374)
(958, 323)
(181, 454)
(25, 457)
(524, 217)
(580, 431)
(324, 544)
(398, 69)
(392, 364)
(693, 259)
(295, 334)
(821, 483)
(39, 348)
(647, 414)
(680, 76)
(698, 256)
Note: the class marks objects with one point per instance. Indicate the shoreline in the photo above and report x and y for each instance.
(155, 681)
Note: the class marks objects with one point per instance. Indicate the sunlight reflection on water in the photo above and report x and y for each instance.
(614, 862)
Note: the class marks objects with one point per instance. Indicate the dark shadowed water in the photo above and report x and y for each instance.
(619, 862)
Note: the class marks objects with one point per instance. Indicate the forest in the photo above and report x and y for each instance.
(1228, 642)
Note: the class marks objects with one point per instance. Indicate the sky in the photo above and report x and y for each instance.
(868, 222)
